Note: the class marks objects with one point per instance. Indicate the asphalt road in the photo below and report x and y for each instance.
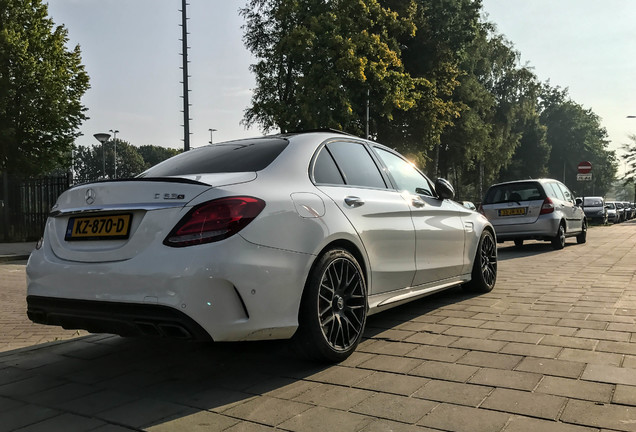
(552, 348)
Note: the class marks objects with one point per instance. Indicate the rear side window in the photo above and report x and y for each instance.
(355, 163)
(514, 192)
(325, 169)
(554, 191)
(235, 156)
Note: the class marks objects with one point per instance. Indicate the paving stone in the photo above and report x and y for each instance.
(530, 350)
(391, 363)
(245, 426)
(594, 357)
(458, 418)
(506, 379)
(200, 421)
(525, 403)
(603, 335)
(576, 389)
(462, 322)
(444, 354)
(550, 330)
(614, 417)
(321, 418)
(268, 411)
(569, 342)
(508, 326)
(25, 416)
(341, 375)
(526, 424)
(478, 344)
(617, 347)
(452, 392)
(387, 347)
(392, 383)
(564, 368)
(431, 339)
(582, 324)
(609, 374)
(478, 333)
(511, 336)
(445, 371)
(391, 426)
(393, 407)
(625, 395)
(142, 412)
(333, 396)
(493, 360)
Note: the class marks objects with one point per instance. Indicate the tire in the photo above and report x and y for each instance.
(582, 237)
(333, 309)
(558, 241)
(484, 273)
(518, 242)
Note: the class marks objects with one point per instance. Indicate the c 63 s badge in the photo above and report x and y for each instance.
(170, 196)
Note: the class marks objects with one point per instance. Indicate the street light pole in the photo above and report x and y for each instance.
(115, 132)
(211, 139)
(102, 138)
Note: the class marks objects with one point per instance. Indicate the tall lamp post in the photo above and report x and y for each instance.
(211, 132)
(115, 132)
(102, 138)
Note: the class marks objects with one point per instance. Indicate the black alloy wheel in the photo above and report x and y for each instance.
(484, 273)
(334, 308)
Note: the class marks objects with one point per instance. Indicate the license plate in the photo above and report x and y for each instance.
(517, 211)
(108, 227)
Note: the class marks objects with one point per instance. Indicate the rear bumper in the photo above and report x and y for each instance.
(542, 229)
(233, 290)
(124, 319)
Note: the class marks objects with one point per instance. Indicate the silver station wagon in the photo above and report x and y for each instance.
(538, 209)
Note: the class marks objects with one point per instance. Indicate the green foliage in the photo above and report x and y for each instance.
(41, 84)
(441, 85)
(575, 134)
(90, 163)
(319, 62)
(152, 155)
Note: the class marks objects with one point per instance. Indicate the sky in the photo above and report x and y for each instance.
(131, 51)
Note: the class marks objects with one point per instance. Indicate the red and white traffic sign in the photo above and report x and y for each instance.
(584, 167)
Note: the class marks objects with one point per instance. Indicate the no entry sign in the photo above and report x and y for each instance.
(584, 167)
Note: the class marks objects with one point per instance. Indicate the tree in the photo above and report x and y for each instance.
(575, 134)
(319, 63)
(89, 162)
(630, 164)
(41, 84)
(152, 155)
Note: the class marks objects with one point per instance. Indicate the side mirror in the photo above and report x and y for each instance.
(444, 189)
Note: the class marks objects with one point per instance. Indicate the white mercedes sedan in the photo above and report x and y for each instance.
(297, 236)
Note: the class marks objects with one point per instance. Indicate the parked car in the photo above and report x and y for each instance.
(594, 208)
(612, 212)
(540, 209)
(288, 236)
(629, 210)
(620, 210)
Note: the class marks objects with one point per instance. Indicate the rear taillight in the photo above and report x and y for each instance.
(547, 206)
(214, 220)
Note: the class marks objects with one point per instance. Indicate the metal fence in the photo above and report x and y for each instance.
(25, 204)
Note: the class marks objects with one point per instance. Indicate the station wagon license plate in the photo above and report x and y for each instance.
(108, 227)
(517, 211)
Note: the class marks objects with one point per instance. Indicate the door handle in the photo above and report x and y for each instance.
(353, 201)
(418, 202)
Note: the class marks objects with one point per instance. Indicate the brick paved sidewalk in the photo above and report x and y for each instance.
(552, 348)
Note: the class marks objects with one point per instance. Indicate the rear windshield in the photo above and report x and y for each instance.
(235, 156)
(514, 192)
(593, 202)
(611, 205)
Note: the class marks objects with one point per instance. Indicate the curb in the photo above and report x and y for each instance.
(6, 258)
